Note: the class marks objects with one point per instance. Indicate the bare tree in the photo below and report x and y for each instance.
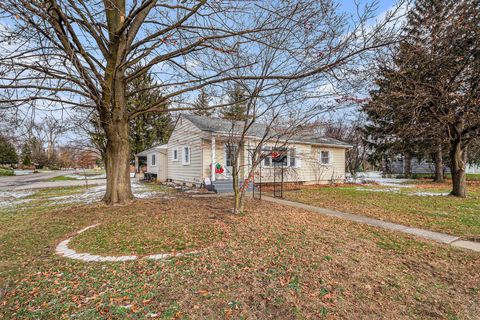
(51, 129)
(350, 131)
(82, 54)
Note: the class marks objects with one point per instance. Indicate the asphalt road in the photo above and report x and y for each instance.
(40, 180)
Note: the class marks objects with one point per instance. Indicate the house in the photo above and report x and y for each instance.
(421, 166)
(197, 142)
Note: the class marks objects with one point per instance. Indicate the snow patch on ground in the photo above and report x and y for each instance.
(96, 193)
(10, 198)
(22, 172)
(90, 195)
(379, 190)
(89, 177)
(430, 194)
(397, 190)
(376, 177)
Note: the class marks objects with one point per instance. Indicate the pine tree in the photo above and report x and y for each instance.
(237, 109)
(8, 155)
(202, 105)
(26, 155)
(148, 129)
(392, 128)
(432, 86)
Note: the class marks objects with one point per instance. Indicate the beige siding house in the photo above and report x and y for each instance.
(197, 142)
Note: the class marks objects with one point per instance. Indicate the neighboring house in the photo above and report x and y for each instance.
(197, 142)
(421, 166)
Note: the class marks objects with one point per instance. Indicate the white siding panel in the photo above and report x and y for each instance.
(309, 168)
(150, 167)
(185, 134)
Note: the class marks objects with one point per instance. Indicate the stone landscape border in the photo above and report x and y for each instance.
(63, 250)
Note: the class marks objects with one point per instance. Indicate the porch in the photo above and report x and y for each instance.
(218, 154)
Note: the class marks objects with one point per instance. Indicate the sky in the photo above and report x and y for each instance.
(382, 5)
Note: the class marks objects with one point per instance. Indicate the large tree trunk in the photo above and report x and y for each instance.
(114, 113)
(117, 164)
(458, 160)
(439, 177)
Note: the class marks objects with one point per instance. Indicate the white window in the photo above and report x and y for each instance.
(153, 160)
(230, 153)
(325, 157)
(267, 153)
(292, 161)
(186, 156)
(175, 154)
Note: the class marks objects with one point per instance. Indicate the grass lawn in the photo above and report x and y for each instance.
(447, 214)
(62, 178)
(272, 262)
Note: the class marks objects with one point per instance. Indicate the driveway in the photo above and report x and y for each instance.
(40, 180)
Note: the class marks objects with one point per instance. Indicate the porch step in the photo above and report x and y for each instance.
(226, 186)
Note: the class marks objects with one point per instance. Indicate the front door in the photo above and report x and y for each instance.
(230, 152)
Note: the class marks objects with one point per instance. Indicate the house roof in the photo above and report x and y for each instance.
(218, 125)
(319, 140)
(144, 153)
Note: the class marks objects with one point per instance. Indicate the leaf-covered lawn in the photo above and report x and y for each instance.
(127, 232)
(446, 214)
(273, 262)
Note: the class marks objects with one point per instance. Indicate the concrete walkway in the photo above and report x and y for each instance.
(426, 234)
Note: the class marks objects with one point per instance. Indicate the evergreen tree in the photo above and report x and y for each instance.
(393, 129)
(8, 155)
(26, 155)
(430, 91)
(148, 129)
(237, 108)
(202, 105)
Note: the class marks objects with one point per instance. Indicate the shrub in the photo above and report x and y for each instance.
(6, 172)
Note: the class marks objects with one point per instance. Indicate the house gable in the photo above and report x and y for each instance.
(185, 136)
